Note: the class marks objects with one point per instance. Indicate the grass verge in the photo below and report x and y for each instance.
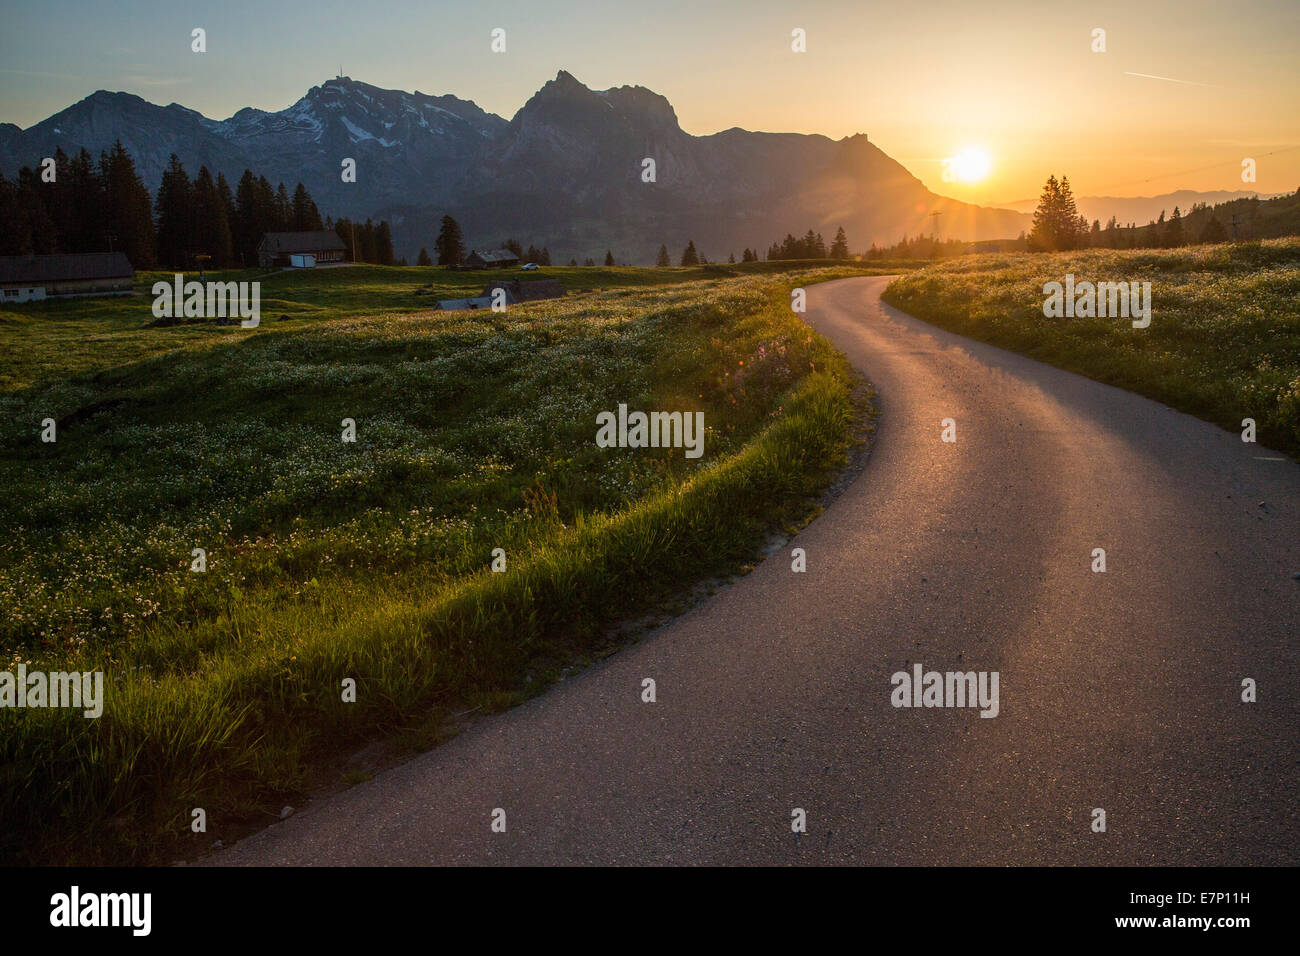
(1224, 339)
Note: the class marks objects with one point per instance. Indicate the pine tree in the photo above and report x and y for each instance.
(246, 228)
(424, 259)
(305, 215)
(663, 259)
(1057, 223)
(211, 231)
(1074, 227)
(129, 208)
(28, 229)
(366, 240)
(1173, 234)
(384, 254)
(57, 200)
(283, 210)
(689, 256)
(86, 195)
(1213, 231)
(450, 245)
(345, 230)
(840, 247)
(1110, 235)
(172, 208)
(609, 258)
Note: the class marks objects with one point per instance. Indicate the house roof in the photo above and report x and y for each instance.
(517, 291)
(83, 265)
(323, 240)
(479, 302)
(495, 255)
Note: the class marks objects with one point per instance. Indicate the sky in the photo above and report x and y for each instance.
(1017, 82)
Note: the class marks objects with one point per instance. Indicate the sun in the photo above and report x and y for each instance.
(971, 165)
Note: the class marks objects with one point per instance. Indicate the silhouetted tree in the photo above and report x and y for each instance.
(173, 211)
(306, 217)
(128, 208)
(210, 234)
(840, 247)
(1213, 231)
(450, 245)
(1173, 234)
(384, 254)
(1057, 223)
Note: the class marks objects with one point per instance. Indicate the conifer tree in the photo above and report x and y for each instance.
(450, 245)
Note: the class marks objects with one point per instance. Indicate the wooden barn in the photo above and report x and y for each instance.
(491, 259)
(28, 278)
(279, 248)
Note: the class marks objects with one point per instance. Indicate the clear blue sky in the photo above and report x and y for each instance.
(1015, 78)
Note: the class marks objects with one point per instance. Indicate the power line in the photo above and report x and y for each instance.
(1186, 172)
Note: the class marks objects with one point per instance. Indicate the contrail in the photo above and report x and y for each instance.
(1170, 79)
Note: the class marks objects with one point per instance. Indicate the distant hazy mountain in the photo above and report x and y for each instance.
(565, 172)
(1142, 209)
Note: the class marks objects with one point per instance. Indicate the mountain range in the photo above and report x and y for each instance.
(564, 172)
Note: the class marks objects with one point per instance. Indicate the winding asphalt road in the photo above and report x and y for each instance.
(1118, 690)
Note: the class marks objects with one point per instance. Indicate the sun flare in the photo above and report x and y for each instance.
(971, 165)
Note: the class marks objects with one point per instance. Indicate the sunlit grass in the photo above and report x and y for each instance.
(1224, 339)
(370, 560)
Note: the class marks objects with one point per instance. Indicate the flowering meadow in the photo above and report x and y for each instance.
(368, 560)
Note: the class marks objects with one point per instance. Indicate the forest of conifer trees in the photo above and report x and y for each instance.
(77, 204)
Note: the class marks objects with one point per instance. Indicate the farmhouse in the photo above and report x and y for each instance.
(280, 248)
(513, 291)
(28, 278)
(492, 259)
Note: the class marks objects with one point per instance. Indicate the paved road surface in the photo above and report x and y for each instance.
(1119, 690)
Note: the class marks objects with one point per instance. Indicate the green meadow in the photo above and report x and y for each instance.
(1224, 339)
(370, 561)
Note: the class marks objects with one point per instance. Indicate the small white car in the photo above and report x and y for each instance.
(529, 266)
